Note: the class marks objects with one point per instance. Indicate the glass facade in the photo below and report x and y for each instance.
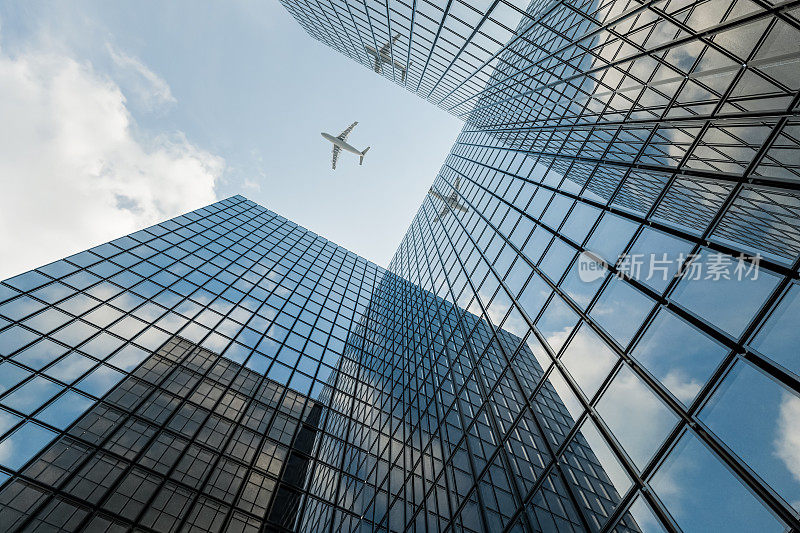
(624, 197)
(588, 328)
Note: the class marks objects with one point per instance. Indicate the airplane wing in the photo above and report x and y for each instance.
(402, 68)
(442, 213)
(386, 47)
(336, 151)
(345, 133)
(371, 51)
(437, 194)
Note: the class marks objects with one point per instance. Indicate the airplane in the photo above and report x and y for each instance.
(450, 201)
(385, 56)
(339, 144)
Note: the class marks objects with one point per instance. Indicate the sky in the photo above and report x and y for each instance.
(120, 115)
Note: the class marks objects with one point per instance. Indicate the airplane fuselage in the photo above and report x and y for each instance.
(340, 143)
(451, 200)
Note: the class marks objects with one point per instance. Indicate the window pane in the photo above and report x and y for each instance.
(621, 310)
(760, 421)
(680, 356)
(588, 359)
(702, 495)
(635, 415)
(780, 336)
(65, 409)
(727, 303)
(24, 443)
(31, 395)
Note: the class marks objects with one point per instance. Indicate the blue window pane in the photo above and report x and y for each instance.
(645, 518)
(635, 415)
(14, 338)
(702, 495)
(301, 383)
(215, 342)
(588, 359)
(48, 320)
(655, 257)
(102, 345)
(10, 375)
(75, 333)
(279, 373)
(583, 280)
(65, 409)
(70, 367)
(128, 358)
(536, 244)
(101, 380)
(238, 353)
(20, 308)
(780, 336)
(27, 281)
(579, 222)
(32, 395)
(128, 327)
(40, 354)
(727, 303)
(556, 259)
(54, 292)
(7, 421)
(103, 316)
(57, 269)
(620, 310)
(7, 293)
(152, 339)
(680, 356)
(556, 210)
(557, 322)
(611, 236)
(760, 421)
(19, 447)
(78, 304)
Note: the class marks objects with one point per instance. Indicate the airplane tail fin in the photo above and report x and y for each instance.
(361, 161)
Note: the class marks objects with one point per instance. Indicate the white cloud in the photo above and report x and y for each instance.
(787, 443)
(684, 387)
(149, 88)
(251, 185)
(72, 173)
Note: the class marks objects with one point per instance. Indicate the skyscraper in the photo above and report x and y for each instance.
(629, 174)
(601, 339)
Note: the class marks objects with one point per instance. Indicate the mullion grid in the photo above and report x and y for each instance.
(629, 214)
(74, 318)
(353, 398)
(742, 470)
(556, 457)
(313, 463)
(287, 273)
(490, 459)
(500, 448)
(578, 424)
(691, 36)
(33, 514)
